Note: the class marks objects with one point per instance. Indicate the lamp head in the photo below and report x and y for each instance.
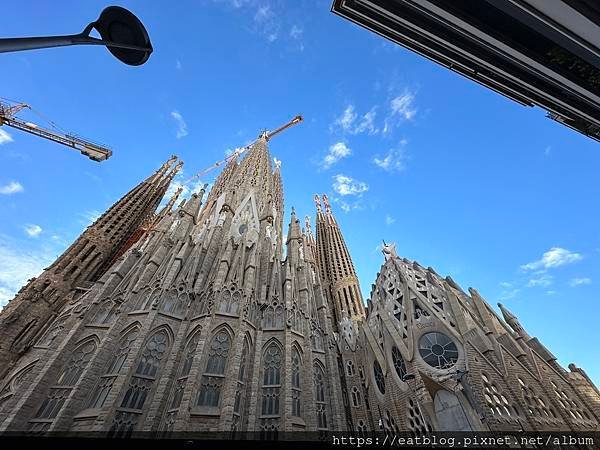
(120, 26)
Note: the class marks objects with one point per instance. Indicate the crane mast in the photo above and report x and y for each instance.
(93, 151)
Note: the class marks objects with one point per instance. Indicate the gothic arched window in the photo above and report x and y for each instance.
(106, 312)
(241, 383)
(230, 301)
(379, 377)
(14, 382)
(52, 333)
(214, 375)
(320, 396)
(273, 316)
(350, 368)
(271, 380)
(175, 304)
(67, 380)
(296, 390)
(317, 339)
(146, 301)
(146, 371)
(356, 402)
(114, 368)
(184, 371)
(398, 362)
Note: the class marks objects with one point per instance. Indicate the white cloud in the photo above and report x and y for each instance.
(5, 138)
(403, 105)
(547, 150)
(345, 185)
(17, 266)
(507, 295)
(554, 257)
(347, 118)
(394, 160)
(90, 217)
(505, 284)
(350, 122)
(263, 13)
(367, 123)
(337, 152)
(178, 65)
(186, 188)
(402, 108)
(33, 230)
(296, 32)
(389, 220)
(579, 281)
(542, 279)
(11, 188)
(181, 125)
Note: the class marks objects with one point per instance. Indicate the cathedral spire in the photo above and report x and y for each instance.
(336, 267)
(84, 262)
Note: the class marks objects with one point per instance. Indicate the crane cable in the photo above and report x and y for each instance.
(237, 152)
(37, 113)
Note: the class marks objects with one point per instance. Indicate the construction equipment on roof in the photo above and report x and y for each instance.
(265, 134)
(8, 117)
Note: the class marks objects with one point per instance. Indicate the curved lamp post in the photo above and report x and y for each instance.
(120, 31)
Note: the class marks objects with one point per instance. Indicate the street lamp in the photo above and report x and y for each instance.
(121, 32)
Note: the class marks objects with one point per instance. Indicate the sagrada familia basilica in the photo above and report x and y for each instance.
(206, 316)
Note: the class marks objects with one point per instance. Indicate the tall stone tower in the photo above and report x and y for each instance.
(336, 267)
(345, 300)
(39, 302)
(201, 325)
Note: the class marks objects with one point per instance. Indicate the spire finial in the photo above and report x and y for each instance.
(326, 203)
(293, 212)
(508, 316)
(175, 170)
(163, 169)
(317, 202)
(389, 250)
(307, 224)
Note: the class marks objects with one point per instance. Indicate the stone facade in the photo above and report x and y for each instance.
(42, 299)
(202, 324)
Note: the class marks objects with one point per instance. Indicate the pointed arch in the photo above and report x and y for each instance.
(321, 394)
(272, 358)
(140, 386)
(296, 382)
(183, 372)
(209, 394)
(54, 330)
(239, 405)
(15, 381)
(129, 335)
(68, 378)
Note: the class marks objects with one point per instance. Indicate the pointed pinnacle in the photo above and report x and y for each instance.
(508, 316)
(317, 202)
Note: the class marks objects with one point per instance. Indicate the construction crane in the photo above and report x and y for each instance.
(265, 134)
(8, 117)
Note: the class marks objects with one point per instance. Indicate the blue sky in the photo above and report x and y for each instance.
(462, 179)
